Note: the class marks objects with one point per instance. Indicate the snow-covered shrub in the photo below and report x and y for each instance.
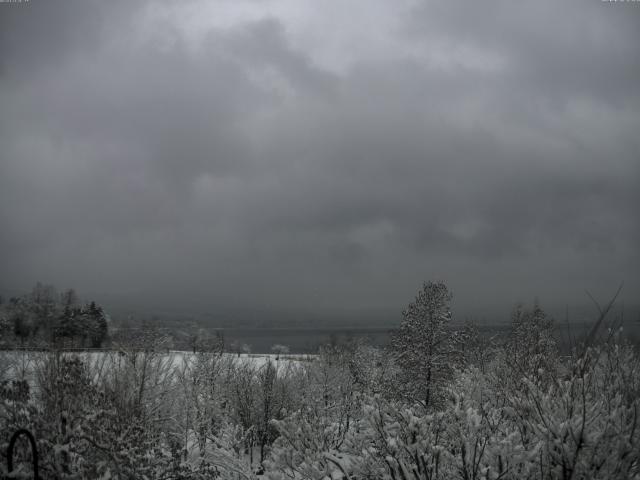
(313, 437)
(586, 421)
(373, 369)
(531, 349)
(86, 429)
(582, 423)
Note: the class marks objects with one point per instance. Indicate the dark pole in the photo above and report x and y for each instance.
(34, 451)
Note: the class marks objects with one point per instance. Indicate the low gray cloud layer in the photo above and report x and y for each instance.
(306, 155)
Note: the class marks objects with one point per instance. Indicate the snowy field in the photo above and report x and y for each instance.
(23, 364)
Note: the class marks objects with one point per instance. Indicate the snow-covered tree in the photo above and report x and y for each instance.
(475, 348)
(531, 348)
(314, 435)
(424, 345)
(279, 349)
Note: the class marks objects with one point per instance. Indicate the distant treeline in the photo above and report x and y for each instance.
(46, 317)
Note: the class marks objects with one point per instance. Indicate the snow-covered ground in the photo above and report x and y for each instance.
(22, 364)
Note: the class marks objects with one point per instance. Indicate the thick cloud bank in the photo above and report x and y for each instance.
(313, 154)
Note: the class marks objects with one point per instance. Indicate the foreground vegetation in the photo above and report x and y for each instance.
(439, 404)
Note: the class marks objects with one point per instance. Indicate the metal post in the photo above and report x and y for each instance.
(34, 451)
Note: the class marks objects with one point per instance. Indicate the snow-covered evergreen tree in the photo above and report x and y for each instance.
(424, 345)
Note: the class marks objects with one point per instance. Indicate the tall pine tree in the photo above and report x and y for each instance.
(423, 346)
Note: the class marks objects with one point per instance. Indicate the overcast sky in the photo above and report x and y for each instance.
(320, 153)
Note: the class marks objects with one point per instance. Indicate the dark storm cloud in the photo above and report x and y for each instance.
(253, 159)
